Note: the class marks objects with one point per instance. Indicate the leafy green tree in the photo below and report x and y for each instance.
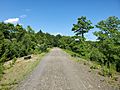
(108, 38)
(20, 32)
(30, 30)
(109, 28)
(83, 26)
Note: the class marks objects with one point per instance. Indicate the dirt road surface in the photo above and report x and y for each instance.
(57, 72)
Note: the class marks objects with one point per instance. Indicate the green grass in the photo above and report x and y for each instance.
(76, 57)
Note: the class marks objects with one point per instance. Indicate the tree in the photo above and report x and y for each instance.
(108, 38)
(83, 26)
(19, 32)
(109, 28)
(65, 41)
(30, 30)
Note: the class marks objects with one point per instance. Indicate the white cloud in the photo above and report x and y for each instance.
(12, 20)
(56, 34)
(23, 16)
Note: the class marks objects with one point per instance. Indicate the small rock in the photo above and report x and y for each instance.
(27, 57)
(102, 79)
(90, 86)
(98, 86)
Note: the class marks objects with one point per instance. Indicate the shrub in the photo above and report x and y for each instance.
(118, 66)
(96, 55)
(42, 48)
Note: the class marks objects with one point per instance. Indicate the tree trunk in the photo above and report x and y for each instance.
(82, 36)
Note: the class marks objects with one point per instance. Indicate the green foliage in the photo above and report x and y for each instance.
(1, 70)
(14, 60)
(118, 66)
(107, 71)
(95, 66)
(43, 47)
(108, 39)
(96, 55)
(16, 41)
(83, 26)
(105, 51)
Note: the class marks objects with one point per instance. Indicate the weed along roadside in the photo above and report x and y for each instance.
(109, 76)
(15, 73)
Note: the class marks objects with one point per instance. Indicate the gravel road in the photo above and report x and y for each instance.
(57, 72)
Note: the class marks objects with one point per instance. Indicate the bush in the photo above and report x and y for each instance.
(42, 48)
(96, 55)
(118, 66)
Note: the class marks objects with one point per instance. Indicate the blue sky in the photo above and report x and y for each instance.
(57, 16)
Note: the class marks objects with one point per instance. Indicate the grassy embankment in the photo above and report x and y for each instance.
(13, 74)
(111, 76)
